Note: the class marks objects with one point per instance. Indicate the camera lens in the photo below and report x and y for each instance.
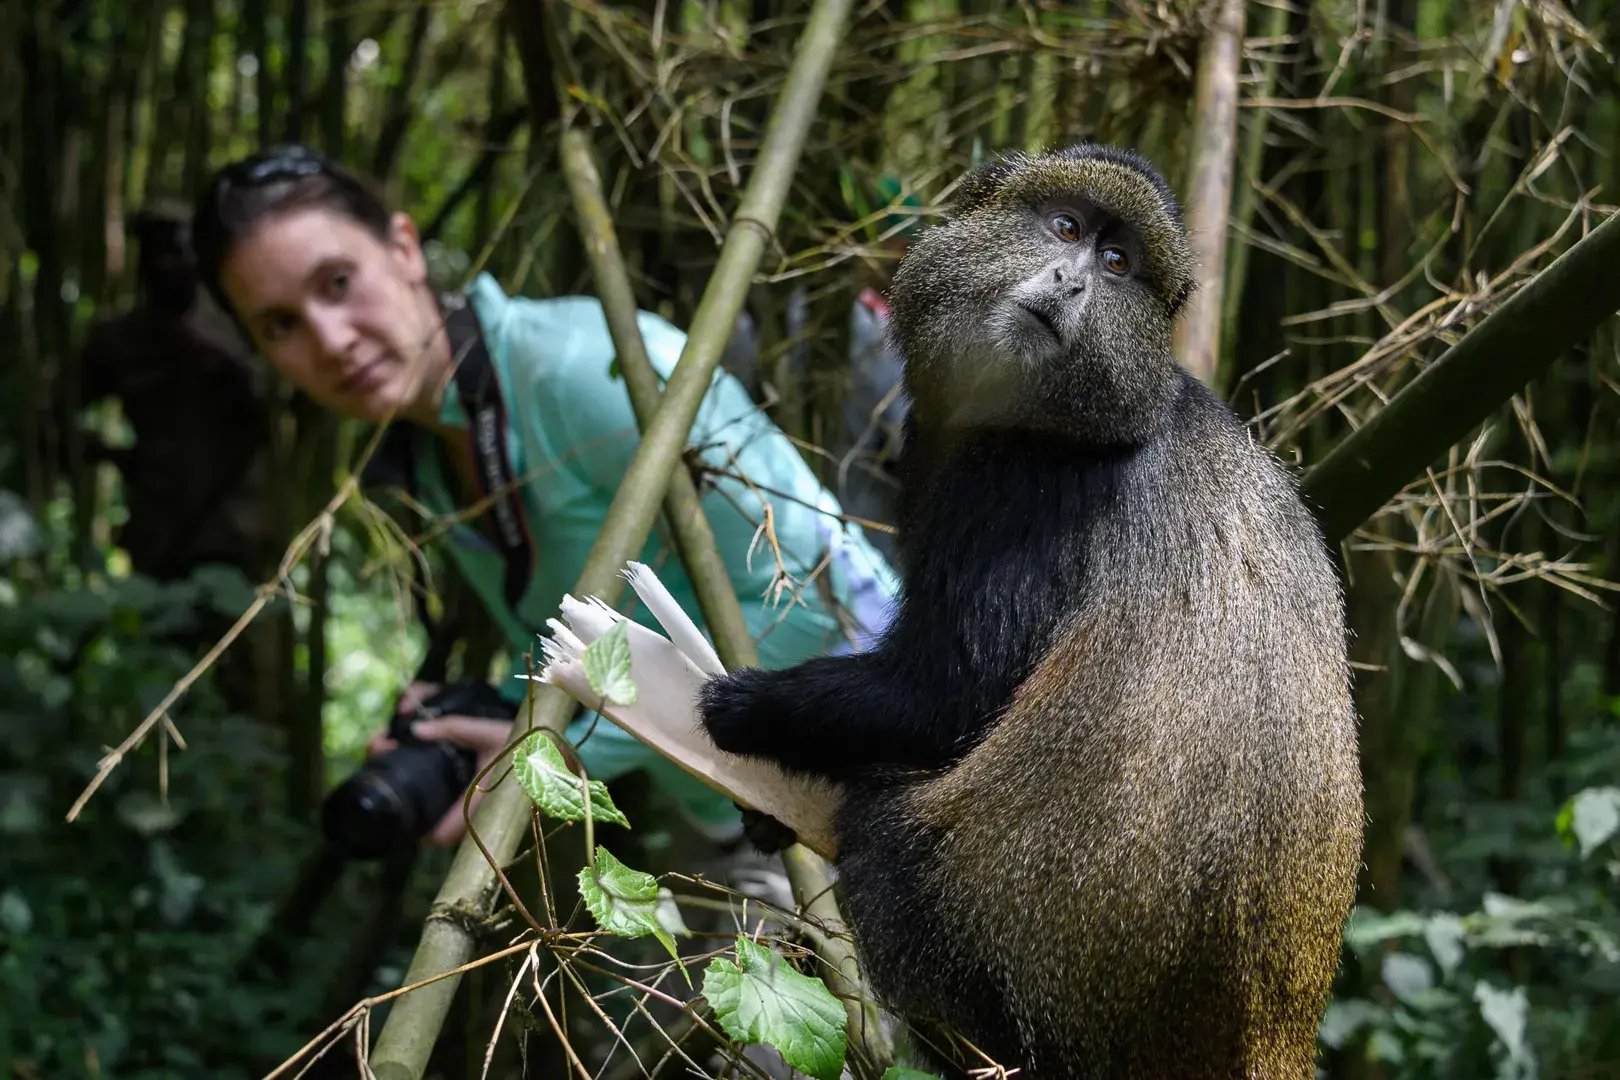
(363, 816)
(395, 796)
(400, 795)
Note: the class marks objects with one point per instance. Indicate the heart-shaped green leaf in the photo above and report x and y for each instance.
(555, 788)
(761, 999)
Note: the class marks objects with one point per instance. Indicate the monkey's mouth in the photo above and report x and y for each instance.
(1043, 318)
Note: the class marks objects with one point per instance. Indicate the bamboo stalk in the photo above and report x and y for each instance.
(1198, 335)
(501, 821)
(1492, 362)
(693, 537)
(807, 872)
(1244, 199)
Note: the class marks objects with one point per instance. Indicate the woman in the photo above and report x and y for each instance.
(333, 288)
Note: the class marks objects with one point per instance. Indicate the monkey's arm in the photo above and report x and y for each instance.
(830, 716)
(984, 593)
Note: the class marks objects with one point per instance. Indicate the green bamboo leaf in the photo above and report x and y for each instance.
(761, 999)
(1408, 977)
(1343, 1019)
(547, 779)
(579, 93)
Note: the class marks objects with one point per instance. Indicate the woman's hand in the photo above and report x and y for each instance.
(485, 738)
(410, 701)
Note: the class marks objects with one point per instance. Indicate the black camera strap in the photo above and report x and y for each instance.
(486, 433)
(394, 463)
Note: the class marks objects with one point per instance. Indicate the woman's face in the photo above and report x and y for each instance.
(349, 318)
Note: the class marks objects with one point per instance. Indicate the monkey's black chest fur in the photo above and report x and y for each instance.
(997, 553)
(994, 557)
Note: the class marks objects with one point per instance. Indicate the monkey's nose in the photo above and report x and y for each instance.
(1070, 284)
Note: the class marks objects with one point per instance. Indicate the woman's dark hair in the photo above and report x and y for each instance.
(272, 181)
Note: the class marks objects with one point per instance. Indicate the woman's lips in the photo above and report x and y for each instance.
(366, 378)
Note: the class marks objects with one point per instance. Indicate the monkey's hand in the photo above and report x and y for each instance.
(807, 718)
(766, 833)
(732, 714)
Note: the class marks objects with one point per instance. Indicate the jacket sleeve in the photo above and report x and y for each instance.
(750, 464)
(583, 398)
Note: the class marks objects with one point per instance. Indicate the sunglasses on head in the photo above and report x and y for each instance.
(275, 166)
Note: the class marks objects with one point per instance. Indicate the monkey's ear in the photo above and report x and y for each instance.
(982, 182)
(1177, 300)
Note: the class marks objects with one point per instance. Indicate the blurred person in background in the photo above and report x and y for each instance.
(332, 288)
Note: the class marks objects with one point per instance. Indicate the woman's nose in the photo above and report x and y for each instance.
(333, 332)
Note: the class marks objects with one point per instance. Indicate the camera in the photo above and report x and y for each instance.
(400, 795)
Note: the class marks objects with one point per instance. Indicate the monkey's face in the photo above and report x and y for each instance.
(1077, 275)
(1057, 272)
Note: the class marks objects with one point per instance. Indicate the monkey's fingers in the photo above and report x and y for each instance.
(766, 833)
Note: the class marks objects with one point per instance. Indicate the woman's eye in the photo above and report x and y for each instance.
(1066, 227)
(1115, 259)
(275, 328)
(337, 284)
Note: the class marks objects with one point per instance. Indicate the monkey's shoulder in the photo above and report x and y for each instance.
(1213, 464)
(1037, 476)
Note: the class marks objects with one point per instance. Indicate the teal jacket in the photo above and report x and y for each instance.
(570, 436)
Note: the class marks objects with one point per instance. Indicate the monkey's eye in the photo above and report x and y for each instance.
(1066, 227)
(1115, 259)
